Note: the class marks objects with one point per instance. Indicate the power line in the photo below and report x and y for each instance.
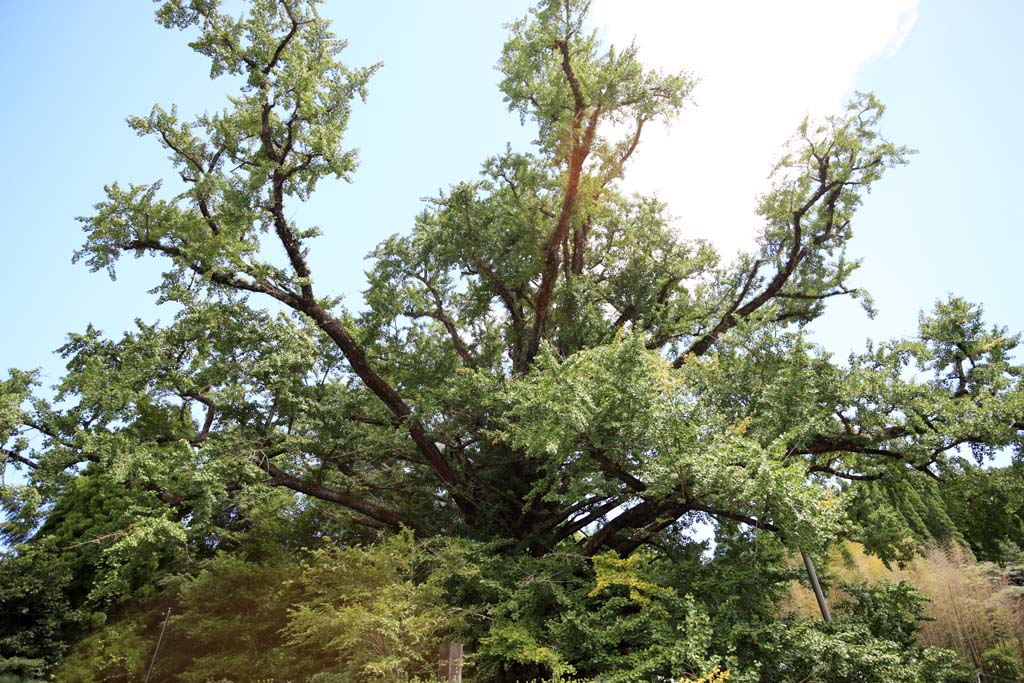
(157, 648)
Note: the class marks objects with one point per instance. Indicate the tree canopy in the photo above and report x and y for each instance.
(542, 362)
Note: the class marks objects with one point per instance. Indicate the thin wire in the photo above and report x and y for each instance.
(157, 648)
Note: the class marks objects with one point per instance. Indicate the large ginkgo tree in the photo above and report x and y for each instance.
(542, 359)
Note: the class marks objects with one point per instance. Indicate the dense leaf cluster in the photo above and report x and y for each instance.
(543, 368)
(379, 613)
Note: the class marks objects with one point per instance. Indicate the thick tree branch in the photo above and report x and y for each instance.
(393, 520)
(279, 50)
(831, 191)
(700, 346)
(735, 517)
(387, 394)
(571, 526)
(852, 476)
(211, 412)
(579, 102)
(613, 469)
(627, 546)
(853, 443)
(335, 330)
(441, 316)
(638, 516)
(231, 281)
(10, 455)
(551, 251)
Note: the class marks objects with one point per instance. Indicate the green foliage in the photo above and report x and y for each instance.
(546, 385)
(38, 622)
(889, 610)
(875, 636)
(1002, 663)
(987, 506)
(850, 652)
(370, 613)
(539, 292)
(344, 613)
(113, 543)
(896, 517)
(617, 619)
(118, 653)
(21, 670)
(382, 611)
(977, 506)
(557, 73)
(229, 621)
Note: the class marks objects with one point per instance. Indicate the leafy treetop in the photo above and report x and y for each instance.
(542, 360)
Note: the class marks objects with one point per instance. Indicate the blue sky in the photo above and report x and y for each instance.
(952, 221)
(948, 71)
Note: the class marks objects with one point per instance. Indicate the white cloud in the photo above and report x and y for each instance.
(763, 67)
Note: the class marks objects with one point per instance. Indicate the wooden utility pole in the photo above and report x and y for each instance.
(454, 663)
(818, 593)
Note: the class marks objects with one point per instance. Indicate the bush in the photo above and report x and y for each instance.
(1001, 663)
(807, 651)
